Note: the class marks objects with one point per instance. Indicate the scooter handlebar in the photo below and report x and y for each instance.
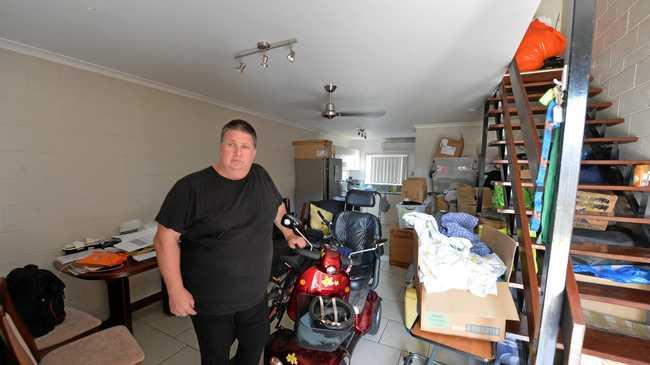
(315, 255)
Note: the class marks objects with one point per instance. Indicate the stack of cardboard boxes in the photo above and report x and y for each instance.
(460, 313)
(402, 239)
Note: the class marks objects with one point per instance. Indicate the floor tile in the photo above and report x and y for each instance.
(187, 356)
(157, 346)
(393, 269)
(451, 357)
(392, 309)
(387, 290)
(188, 337)
(368, 352)
(376, 337)
(397, 337)
(172, 325)
(391, 278)
(416, 361)
(150, 313)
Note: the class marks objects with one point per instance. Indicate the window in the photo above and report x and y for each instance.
(386, 169)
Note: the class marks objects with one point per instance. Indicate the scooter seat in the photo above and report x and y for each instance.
(360, 276)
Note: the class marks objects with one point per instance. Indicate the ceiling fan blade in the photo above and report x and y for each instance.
(372, 114)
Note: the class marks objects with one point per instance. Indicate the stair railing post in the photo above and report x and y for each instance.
(579, 14)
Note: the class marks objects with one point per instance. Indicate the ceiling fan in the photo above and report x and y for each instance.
(330, 112)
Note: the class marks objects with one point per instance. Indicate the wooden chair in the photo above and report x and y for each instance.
(77, 324)
(115, 345)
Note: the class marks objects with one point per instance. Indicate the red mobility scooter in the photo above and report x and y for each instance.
(328, 290)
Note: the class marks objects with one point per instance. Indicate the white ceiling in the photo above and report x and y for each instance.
(422, 61)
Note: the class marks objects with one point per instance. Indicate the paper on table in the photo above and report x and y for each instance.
(137, 240)
(144, 256)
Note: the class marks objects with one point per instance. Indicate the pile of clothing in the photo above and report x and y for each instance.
(463, 225)
(447, 261)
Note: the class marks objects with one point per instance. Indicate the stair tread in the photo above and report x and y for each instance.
(609, 218)
(540, 125)
(538, 75)
(593, 91)
(612, 252)
(628, 297)
(601, 187)
(606, 345)
(643, 189)
(537, 108)
(605, 140)
(615, 218)
(512, 211)
(588, 162)
(612, 346)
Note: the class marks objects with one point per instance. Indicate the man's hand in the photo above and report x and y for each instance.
(181, 303)
(296, 241)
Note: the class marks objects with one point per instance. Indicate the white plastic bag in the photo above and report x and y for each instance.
(446, 262)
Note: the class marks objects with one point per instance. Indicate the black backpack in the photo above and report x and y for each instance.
(38, 297)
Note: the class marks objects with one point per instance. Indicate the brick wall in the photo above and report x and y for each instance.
(621, 66)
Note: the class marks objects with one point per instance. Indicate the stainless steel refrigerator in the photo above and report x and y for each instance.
(317, 180)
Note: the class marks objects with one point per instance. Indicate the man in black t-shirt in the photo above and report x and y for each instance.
(223, 216)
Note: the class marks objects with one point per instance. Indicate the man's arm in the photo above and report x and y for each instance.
(168, 254)
(293, 239)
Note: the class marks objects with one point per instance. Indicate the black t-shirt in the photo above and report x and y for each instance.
(226, 231)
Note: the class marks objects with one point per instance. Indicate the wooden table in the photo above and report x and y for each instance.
(119, 294)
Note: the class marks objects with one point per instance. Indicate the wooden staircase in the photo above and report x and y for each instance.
(611, 346)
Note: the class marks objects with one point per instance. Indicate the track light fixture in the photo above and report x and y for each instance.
(361, 132)
(263, 47)
(241, 67)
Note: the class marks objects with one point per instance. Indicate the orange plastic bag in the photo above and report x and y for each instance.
(539, 43)
(103, 259)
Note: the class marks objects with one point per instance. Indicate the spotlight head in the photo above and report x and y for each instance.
(291, 57)
(241, 67)
(265, 60)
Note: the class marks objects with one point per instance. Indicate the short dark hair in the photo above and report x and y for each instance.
(242, 126)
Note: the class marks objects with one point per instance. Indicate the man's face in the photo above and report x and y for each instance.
(237, 152)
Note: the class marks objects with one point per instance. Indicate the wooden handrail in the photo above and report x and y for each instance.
(526, 120)
(531, 285)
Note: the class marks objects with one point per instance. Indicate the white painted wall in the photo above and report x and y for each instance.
(374, 146)
(427, 139)
(621, 66)
(81, 152)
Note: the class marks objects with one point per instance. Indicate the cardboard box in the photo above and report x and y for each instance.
(460, 313)
(494, 223)
(401, 246)
(441, 203)
(313, 149)
(594, 203)
(487, 199)
(450, 147)
(414, 189)
(467, 199)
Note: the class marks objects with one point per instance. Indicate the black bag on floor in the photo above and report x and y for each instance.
(38, 298)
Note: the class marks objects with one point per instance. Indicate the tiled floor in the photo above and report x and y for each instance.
(171, 340)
